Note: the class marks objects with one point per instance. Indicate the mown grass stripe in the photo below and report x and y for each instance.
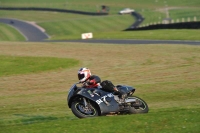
(12, 65)
(8, 33)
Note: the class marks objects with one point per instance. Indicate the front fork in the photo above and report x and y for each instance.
(85, 102)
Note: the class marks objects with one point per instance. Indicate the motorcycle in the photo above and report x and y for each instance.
(92, 102)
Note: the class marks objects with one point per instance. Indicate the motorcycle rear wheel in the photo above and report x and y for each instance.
(81, 111)
(140, 106)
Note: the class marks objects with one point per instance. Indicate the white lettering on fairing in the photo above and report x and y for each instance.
(99, 101)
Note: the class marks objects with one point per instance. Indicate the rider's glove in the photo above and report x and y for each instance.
(85, 84)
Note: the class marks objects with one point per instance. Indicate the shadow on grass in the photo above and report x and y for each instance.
(27, 119)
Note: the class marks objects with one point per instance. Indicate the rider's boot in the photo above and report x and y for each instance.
(120, 94)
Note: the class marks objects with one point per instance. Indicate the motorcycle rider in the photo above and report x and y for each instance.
(87, 79)
(93, 81)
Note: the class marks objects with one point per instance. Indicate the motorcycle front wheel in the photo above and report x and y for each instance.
(81, 111)
(139, 106)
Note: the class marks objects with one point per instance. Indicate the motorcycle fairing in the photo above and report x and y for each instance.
(105, 100)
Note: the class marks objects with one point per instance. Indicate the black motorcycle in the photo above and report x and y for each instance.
(94, 102)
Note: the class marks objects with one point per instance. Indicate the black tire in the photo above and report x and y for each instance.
(80, 111)
(140, 106)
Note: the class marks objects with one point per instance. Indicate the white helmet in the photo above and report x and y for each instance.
(83, 74)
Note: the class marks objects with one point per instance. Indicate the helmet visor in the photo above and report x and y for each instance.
(81, 76)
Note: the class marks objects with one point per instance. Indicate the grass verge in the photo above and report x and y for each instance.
(9, 33)
(12, 65)
(167, 77)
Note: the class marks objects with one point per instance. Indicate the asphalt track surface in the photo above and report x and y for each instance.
(113, 41)
(34, 34)
(29, 31)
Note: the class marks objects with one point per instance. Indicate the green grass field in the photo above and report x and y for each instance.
(21, 65)
(71, 26)
(165, 76)
(8, 33)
